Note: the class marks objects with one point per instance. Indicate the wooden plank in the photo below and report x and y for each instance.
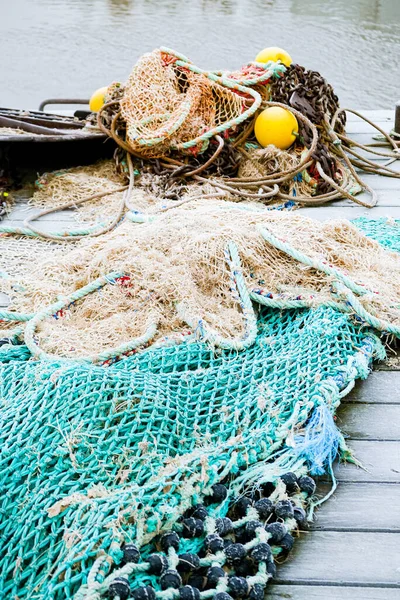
(320, 213)
(21, 211)
(351, 558)
(386, 198)
(370, 421)
(359, 507)
(380, 160)
(46, 226)
(350, 212)
(380, 461)
(359, 126)
(324, 592)
(367, 138)
(379, 114)
(381, 387)
(388, 206)
(381, 183)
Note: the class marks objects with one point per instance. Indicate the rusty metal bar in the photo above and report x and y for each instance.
(62, 101)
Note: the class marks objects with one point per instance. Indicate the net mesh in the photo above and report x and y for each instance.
(175, 273)
(385, 231)
(93, 457)
(57, 188)
(165, 104)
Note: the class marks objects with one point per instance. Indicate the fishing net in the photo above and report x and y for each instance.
(79, 183)
(385, 230)
(199, 125)
(94, 457)
(169, 103)
(99, 463)
(194, 269)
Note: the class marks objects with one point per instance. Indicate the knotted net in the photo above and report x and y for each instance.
(169, 103)
(195, 270)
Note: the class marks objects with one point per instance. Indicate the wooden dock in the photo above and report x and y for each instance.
(352, 551)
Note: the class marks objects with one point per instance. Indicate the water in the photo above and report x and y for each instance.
(61, 48)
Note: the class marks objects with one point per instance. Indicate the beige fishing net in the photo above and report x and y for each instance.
(176, 272)
(165, 105)
(71, 185)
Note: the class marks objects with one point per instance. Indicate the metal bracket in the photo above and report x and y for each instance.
(397, 119)
(62, 101)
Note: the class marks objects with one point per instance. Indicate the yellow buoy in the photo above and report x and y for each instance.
(98, 99)
(277, 126)
(274, 53)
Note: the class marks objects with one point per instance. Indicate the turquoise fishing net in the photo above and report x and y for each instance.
(384, 230)
(92, 457)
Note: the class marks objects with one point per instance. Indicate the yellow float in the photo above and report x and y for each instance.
(277, 126)
(274, 53)
(98, 99)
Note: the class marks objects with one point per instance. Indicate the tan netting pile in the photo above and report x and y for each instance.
(166, 105)
(57, 188)
(176, 274)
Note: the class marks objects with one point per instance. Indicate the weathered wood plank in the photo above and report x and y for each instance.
(359, 126)
(370, 421)
(381, 387)
(390, 207)
(381, 462)
(46, 226)
(366, 138)
(359, 507)
(381, 183)
(22, 211)
(346, 557)
(324, 592)
(370, 153)
(386, 198)
(377, 115)
(320, 213)
(349, 212)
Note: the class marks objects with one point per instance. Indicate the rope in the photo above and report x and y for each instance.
(206, 333)
(359, 160)
(344, 285)
(36, 351)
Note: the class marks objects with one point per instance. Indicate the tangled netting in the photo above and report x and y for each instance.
(94, 457)
(386, 230)
(169, 103)
(199, 125)
(169, 379)
(182, 127)
(194, 271)
(99, 464)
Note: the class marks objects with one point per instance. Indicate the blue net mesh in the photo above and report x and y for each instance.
(385, 231)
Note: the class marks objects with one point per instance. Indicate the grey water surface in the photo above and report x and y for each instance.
(51, 48)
